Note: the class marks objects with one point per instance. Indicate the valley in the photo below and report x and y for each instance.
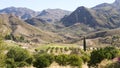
(83, 38)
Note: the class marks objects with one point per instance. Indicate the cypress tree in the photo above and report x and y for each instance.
(84, 44)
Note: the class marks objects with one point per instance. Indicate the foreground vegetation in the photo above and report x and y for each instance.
(15, 56)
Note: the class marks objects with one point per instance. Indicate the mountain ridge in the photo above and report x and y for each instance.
(21, 12)
(11, 24)
(101, 16)
(81, 22)
(26, 13)
(53, 15)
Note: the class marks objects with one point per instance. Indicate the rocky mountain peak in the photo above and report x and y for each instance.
(44, 12)
(53, 15)
(81, 8)
(117, 3)
(81, 15)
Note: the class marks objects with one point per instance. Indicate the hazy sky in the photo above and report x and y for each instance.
(39, 5)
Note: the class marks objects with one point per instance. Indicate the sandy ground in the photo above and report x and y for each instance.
(55, 65)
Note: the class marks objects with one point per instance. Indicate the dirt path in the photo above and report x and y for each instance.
(84, 66)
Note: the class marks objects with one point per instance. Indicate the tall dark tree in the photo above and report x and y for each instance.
(84, 44)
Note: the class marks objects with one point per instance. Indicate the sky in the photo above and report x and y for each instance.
(39, 5)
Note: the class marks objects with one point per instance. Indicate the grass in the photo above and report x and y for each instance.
(10, 44)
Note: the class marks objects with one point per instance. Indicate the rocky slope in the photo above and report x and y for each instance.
(53, 15)
(58, 25)
(105, 16)
(10, 24)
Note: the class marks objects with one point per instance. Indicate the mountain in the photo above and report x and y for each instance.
(48, 15)
(117, 4)
(82, 21)
(53, 15)
(80, 15)
(109, 14)
(23, 13)
(61, 25)
(40, 23)
(100, 17)
(10, 24)
(48, 19)
(104, 33)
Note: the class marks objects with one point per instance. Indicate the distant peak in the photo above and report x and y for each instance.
(14, 8)
(81, 8)
(117, 2)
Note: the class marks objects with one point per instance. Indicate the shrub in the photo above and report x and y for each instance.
(8, 37)
(98, 55)
(19, 56)
(29, 60)
(85, 58)
(21, 38)
(75, 60)
(15, 38)
(62, 59)
(61, 50)
(51, 51)
(10, 63)
(42, 61)
(56, 49)
(22, 64)
(50, 57)
(66, 49)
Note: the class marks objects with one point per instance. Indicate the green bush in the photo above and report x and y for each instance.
(22, 64)
(51, 50)
(62, 59)
(56, 49)
(66, 49)
(98, 55)
(10, 63)
(85, 58)
(29, 60)
(15, 38)
(21, 57)
(18, 54)
(43, 60)
(75, 60)
(8, 37)
(50, 57)
(113, 52)
(61, 50)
